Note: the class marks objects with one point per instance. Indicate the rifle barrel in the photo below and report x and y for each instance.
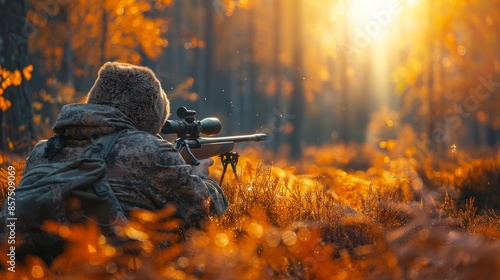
(237, 138)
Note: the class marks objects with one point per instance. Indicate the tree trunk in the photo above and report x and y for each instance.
(104, 19)
(344, 87)
(297, 99)
(200, 75)
(429, 74)
(278, 103)
(249, 93)
(67, 67)
(210, 96)
(235, 95)
(491, 136)
(17, 131)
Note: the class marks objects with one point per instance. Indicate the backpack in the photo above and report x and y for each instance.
(65, 192)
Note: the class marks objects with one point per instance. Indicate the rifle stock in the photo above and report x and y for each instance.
(207, 151)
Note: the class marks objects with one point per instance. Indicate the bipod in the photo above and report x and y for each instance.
(229, 158)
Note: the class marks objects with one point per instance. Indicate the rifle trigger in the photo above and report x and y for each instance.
(182, 143)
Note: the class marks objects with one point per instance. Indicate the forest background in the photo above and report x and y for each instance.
(414, 78)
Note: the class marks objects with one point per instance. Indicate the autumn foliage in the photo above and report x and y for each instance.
(325, 224)
(8, 78)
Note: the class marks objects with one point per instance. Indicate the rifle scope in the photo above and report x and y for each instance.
(189, 127)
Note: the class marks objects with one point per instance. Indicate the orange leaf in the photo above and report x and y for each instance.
(27, 72)
(3, 159)
(37, 119)
(37, 106)
(4, 104)
(16, 78)
(5, 74)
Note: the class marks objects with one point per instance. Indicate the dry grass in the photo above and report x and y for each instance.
(394, 220)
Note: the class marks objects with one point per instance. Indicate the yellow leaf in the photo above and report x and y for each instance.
(11, 146)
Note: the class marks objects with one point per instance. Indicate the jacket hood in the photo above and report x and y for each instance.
(87, 121)
(135, 91)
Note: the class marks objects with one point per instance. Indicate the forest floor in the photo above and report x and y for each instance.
(337, 214)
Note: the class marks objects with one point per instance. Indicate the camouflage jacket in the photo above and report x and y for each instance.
(144, 170)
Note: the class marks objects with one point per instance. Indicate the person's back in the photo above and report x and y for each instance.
(144, 171)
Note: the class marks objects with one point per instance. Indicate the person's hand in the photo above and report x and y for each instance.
(202, 168)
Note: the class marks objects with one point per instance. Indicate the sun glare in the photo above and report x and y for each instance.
(362, 10)
(365, 14)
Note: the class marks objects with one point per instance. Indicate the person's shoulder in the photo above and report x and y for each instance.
(38, 150)
(145, 142)
(144, 148)
(36, 156)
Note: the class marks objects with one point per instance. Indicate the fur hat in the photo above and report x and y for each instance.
(135, 91)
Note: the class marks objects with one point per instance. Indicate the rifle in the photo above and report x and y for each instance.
(193, 147)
